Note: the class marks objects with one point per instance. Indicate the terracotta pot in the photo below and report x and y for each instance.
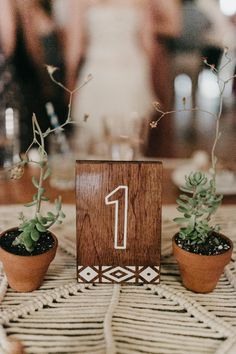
(201, 273)
(26, 273)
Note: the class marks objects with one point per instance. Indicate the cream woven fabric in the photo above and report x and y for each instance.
(65, 317)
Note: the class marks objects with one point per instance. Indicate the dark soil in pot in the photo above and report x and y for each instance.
(213, 245)
(44, 244)
(201, 272)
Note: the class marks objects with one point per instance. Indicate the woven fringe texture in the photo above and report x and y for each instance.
(66, 317)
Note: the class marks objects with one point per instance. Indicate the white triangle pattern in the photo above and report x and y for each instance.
(118, 274)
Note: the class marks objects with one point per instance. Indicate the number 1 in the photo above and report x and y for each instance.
(116, 202)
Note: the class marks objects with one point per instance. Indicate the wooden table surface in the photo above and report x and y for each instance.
(21, 191)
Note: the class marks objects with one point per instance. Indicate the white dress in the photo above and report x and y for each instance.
(120, 91)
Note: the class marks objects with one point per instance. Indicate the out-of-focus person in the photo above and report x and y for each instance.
(7, 28)
(38, 43)
(166, 20)
(221, 32)
(220, 35)
(10, 95)
(113, 40)
(29, 40)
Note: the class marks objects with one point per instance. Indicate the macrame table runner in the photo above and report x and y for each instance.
(66, 317)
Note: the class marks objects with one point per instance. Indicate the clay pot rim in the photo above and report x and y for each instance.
(29, 256)
(204, 255)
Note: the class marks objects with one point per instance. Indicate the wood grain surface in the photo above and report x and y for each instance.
(96, 220)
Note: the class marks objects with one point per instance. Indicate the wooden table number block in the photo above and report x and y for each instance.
(118, 221)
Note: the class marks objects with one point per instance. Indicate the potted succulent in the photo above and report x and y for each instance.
(27, 250)
(200, 249)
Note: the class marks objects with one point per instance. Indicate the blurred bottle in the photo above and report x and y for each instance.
(61, 157)
(9, 140)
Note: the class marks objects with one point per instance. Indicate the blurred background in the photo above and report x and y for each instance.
(138, 52)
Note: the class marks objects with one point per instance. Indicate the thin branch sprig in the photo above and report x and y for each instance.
(51, 70)
(37, 132)
(31, 229)
(217, 116)
(39, 139)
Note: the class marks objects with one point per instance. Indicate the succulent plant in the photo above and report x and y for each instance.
(32, 229)
(201, 200)
(197, 208)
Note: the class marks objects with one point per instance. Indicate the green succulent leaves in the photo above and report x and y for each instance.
(32, 229)
(197, 208)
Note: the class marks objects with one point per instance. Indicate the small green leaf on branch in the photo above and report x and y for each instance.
(35, 182)
(30, 203)
(47, 173)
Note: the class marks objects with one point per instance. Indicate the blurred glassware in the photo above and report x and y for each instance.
(124, 139)
(61, 158)
(61, 137)
(62, 165)
(123, 148)
(9, 141)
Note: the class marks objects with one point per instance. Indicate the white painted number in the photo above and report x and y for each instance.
(116, 202)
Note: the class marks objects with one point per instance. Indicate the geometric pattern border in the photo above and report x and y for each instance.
(119, 274)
